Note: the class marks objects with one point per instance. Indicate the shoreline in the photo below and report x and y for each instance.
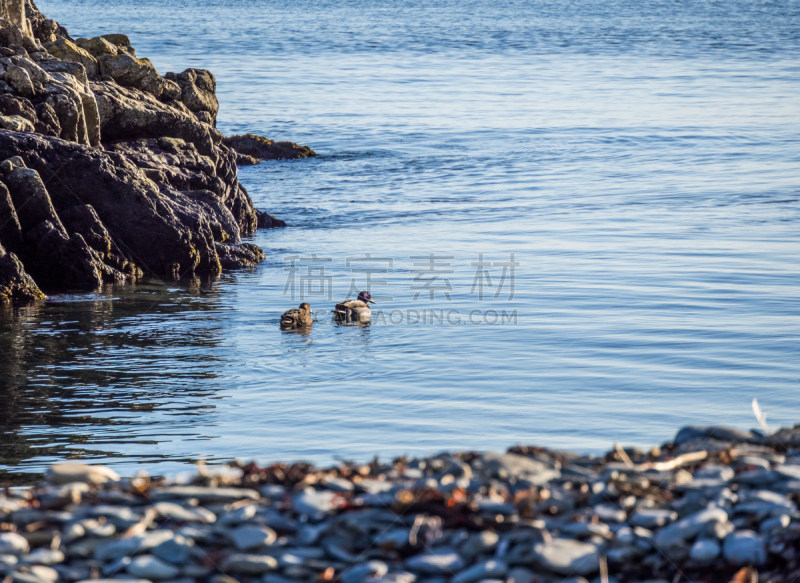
(714, 504)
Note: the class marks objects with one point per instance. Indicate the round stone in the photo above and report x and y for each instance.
(568, 557)
(249, 537)
(150, 567)
(250, 564)
(744, 547)
(440, 562)
(490, 569)
(13, 544)
(704, 551)
(364, 572)
(68, 472)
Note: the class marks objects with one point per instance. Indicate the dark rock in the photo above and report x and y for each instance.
(82, 219)
(785, 438)
(15, 283)
(31, 199)
(226, 230)
(267, 221)
(157, 227)
(18, 49)
(127, 114)
(165, 198)
(13, 105)
(47, 121)
(245, 160)
(127, 70)
(65, 67)
(205, 117)
(20, 80)
(198, 88)
(68, 109)
(241, 207)
(264, 149)
(97, 46)
(122, 42)
(239, 256)
(16, 123)
(10, 34)
(43, 29)
(61, 261)
(66, 50)
(177, 162)
(10, 229)
(690, 433)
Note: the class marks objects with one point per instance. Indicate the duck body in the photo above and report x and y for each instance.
(357, 310)
(297, 317)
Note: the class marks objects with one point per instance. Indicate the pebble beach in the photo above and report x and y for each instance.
(715, 504)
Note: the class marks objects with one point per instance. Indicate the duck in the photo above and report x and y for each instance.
(354, 310)
(297, 317)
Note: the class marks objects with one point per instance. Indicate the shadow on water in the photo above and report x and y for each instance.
(80, 370)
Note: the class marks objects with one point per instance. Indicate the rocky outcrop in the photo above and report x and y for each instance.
(126, 114)
(15, 12)
(15, 284)
(160, 229)
(198, 93)
(264, 149)
(70, 253)
(110, 171)
(267, 221)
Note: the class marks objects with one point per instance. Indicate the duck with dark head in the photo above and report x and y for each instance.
(354, 310)
(297, 317)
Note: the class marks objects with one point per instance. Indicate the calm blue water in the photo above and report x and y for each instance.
(639, 159)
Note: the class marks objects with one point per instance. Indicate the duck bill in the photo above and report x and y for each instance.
(372, 301)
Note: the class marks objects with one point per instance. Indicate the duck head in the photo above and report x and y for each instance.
(306, 307)
(365, 297)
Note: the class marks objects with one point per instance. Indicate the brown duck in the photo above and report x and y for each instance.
(297, 317)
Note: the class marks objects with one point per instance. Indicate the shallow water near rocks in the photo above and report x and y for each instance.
(639, 159)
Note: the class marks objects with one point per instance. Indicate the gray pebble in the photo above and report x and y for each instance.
(203, 494)
(153, 568)
(13, 544)
(249, 564)
(43, 557)
(175, 550)
(704, 551)
(479, 543)
(653, 517)
(443, 561)
(364, 572)
(690, 526)
(567, 556)
(744, 548)
(490, 569)
(248, 537)
(127, 547)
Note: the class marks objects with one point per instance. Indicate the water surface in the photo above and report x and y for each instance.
(639, 159)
